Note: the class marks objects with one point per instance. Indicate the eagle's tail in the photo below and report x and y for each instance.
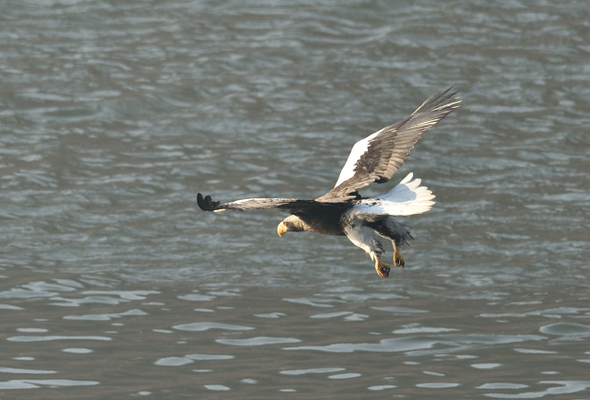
(407, 198)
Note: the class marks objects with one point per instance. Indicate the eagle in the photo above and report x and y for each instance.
(368, 222)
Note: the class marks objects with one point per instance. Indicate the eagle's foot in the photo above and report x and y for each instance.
(398, 260)
(382, 269)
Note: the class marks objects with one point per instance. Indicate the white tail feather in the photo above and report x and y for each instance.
(407, 198)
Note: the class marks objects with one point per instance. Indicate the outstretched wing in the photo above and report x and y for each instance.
(378, 157)
(292, 206)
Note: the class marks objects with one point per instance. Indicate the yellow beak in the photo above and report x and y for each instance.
(281, 229)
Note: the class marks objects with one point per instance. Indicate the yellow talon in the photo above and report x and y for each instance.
(398, 260)
(382, 269)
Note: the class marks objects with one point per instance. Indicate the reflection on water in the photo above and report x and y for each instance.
(36, 383)
(113, 285)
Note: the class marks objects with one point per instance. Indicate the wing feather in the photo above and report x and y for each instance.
(274, 204)
(378, 157)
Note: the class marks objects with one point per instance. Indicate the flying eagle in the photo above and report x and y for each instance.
(367, 222)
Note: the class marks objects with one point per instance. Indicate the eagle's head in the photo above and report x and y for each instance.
(291, 224)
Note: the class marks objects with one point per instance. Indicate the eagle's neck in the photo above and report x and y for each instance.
(326, 223)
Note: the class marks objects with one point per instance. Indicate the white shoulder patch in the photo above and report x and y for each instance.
(407, 198)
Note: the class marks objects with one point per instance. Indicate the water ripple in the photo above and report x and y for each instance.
(218, 388)
(24, 371)
(414, 345)
(257, 341)
(566, 330)
(558, 388)
(313, 302)
(205, 326)
(54, 338)
(311, 371)
(35, 383)
(105, 317)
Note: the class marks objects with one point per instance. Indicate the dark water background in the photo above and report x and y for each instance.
(114, 114)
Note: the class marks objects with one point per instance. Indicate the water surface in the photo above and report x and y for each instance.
(114, 285)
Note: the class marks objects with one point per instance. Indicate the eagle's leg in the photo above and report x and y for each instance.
(381, 268)
(398, 260)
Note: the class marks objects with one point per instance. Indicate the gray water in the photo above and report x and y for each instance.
(113, 115)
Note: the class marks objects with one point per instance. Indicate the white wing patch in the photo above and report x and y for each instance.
(357, 151)
(407, 198)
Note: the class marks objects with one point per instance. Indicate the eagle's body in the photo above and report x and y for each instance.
(367, 222)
